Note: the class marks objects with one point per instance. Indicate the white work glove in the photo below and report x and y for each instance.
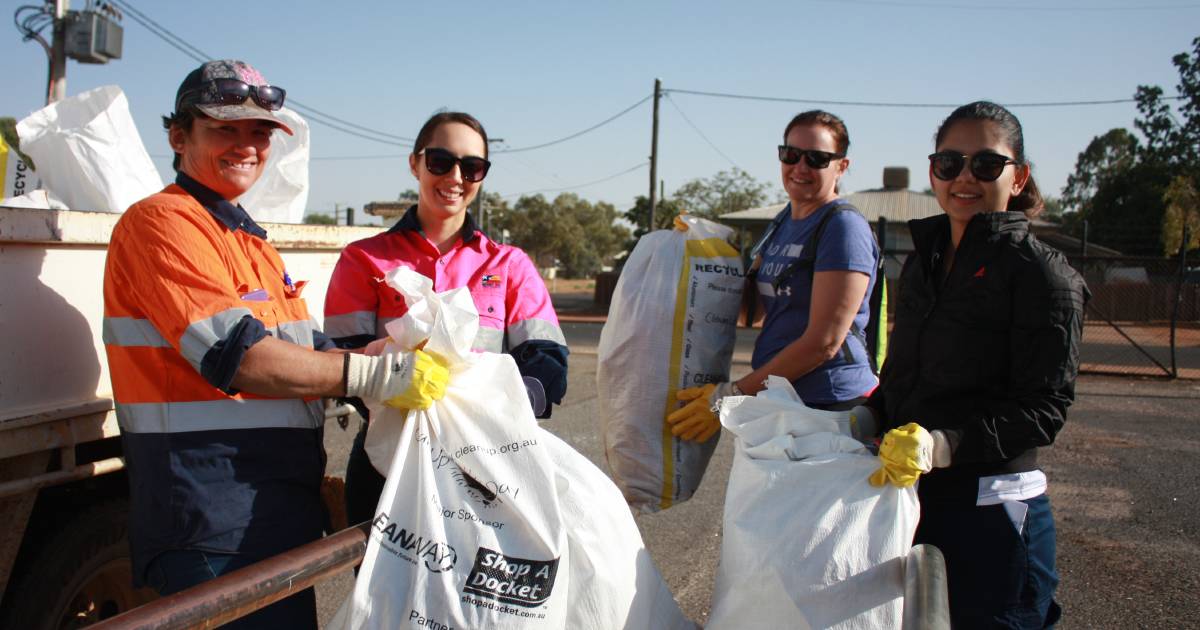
(405, 380)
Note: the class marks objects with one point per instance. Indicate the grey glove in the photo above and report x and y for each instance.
(863, 425)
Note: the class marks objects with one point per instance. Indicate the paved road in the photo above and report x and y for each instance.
(1124, 482)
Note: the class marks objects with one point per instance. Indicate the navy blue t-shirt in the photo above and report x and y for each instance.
(847, 244)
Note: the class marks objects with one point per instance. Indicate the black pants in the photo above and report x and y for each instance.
(364, 484)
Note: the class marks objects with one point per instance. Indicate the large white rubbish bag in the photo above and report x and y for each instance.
(88, 153)
(281, 194)
(807, 541)
(486, 520)
(671, 325)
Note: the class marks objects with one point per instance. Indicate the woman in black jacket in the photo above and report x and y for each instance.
(983, 355)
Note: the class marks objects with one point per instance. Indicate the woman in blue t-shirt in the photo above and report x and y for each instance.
(814, 302)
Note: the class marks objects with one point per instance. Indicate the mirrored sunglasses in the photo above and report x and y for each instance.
(235, 92)
(985, 167)
(815, 159)
(440, 161)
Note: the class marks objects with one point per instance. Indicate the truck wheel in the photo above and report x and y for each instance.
(80, 575)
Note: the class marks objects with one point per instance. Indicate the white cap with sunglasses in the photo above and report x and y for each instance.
(228, 89)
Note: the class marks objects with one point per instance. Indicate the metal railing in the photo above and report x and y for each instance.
(239, 593)
(246, 590)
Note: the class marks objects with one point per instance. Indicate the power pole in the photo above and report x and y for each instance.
(480, 216)
(56, 83)
(654, 156)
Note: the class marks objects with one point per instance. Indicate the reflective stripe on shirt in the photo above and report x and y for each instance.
(212, 415)
(350, 324)
(300, 333)
(202, 335)
(132, 332)
(526, 329)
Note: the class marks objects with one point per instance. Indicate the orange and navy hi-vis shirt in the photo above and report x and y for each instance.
(515, 312)
(186, 285)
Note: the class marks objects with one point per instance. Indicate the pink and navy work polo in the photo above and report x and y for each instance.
(515, 312)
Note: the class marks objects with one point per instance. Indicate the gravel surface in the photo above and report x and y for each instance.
(1125, 489)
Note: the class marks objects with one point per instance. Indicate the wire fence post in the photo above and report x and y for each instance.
(1183, 246)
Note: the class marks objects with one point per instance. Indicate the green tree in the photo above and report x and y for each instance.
(1123, 185)
(725, 192)
(318, 218)
(1183, 207)
(1105, 158)
(580, 235)
(639, 215)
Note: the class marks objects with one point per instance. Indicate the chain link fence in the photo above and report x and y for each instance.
(1143, 318)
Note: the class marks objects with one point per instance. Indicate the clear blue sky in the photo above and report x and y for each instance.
(537, 71)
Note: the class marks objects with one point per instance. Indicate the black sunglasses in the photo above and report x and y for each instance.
(815, 159)
(235, 92)
(440, 161)
(986, 167)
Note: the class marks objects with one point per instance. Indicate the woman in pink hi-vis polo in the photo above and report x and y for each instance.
(438, 238)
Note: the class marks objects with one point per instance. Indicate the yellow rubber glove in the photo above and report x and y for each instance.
(404, 380)
(429, 378)
(695, 421)
(905, 453)
(681, 226)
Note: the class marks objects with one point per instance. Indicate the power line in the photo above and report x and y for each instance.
(311, 111)
(701, 133)
(163, 32)
(592, 183)
(1011, 7)
(580, 133)
(182, 45)
(809, 101)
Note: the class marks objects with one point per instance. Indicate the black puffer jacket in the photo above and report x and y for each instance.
(990, 356)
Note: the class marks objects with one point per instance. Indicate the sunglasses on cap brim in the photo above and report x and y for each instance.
(985, 167)
(814, 159)
(440, 161)
(235, 92)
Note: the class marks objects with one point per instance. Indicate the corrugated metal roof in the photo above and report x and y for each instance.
(895, 205)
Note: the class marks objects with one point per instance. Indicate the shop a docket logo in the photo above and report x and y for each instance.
(511, 580)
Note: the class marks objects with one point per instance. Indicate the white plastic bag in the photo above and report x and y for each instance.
(88, 153)
(486, 520)
(281, 194)
(672, 324)
(807, 541)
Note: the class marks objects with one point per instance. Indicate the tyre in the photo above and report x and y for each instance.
(78, 575)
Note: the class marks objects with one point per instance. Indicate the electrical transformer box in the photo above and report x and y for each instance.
(93, 37)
